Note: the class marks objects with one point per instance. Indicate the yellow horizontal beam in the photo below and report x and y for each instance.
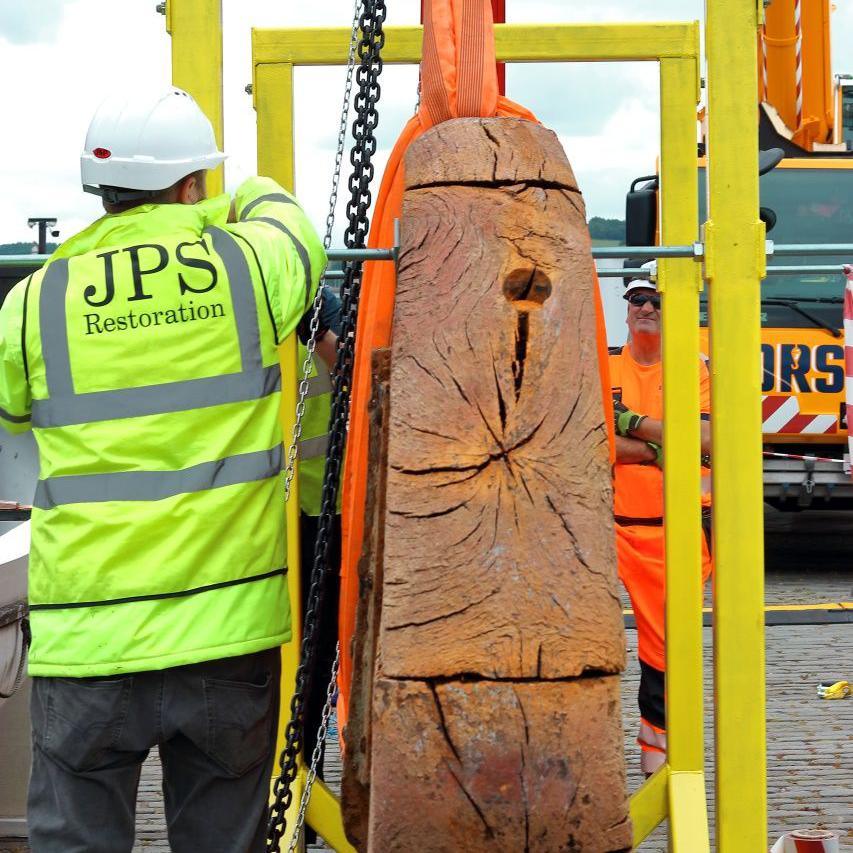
(513, 43)
(649, 804)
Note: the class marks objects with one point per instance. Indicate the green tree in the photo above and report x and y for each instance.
(607, 229)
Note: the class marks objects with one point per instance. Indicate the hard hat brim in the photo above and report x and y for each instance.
(137, 173)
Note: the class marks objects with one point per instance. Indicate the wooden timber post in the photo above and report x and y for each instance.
(485, 708)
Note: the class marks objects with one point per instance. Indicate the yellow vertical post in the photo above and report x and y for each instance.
(276, 160)
(735, 265)
(679, 281)
(275, 121)
(196, 30)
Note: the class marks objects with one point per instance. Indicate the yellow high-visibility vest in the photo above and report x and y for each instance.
(144, 357)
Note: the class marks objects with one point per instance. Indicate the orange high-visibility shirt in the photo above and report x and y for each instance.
(639, 488)
(638, 507)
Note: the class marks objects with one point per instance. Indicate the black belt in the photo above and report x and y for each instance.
(627, 521)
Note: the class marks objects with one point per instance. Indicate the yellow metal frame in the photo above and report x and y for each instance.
(196, 30)
(679, 790)
(734, 239)
(735, 263)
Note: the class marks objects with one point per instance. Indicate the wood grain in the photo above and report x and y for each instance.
(488, 766)
(486, 698)
(499, 546)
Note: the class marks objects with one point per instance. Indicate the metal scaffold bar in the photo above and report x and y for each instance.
(639, 272)
(644, 251)
(343, 255)
(735, 246)
(695, 250)
(825, 269)
(811, 249)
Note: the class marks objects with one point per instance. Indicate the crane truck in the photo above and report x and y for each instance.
(807, 114)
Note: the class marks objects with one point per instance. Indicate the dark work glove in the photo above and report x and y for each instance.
(304, 327)
(624, 420)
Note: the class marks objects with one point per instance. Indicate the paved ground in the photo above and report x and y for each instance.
(810, 774)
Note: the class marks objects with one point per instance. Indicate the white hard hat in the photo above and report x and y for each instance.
(146, 141)
(649, 283)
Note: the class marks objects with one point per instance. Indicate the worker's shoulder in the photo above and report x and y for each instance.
(12, 301)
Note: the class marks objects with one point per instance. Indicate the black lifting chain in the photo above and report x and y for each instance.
(355, 237)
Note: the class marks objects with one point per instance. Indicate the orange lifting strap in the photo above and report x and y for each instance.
(458, 79)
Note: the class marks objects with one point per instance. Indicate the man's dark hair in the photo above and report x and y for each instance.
(158, 197)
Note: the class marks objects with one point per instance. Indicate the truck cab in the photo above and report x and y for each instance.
(805, 201)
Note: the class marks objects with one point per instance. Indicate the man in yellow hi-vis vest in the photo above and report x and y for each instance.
(143, 356)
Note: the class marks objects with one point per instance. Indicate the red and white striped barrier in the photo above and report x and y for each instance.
(848, 353)
(807, 841)
(781, 414)
(798, 27)
(797, 457)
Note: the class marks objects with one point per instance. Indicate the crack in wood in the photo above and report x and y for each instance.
(496, 142)
(501, 403)
(490, 833)
(521, 775)
(522, 333)
(443, 722)
(414, 623)
(430, 373)
(469, 677)
(567, 527)
(436, 514)
(514, 185)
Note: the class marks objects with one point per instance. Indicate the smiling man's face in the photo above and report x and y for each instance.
(643, 319)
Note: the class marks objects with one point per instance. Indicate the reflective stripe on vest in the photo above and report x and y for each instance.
(63, 407)
(300, 249)
(319, 384)
(311, 448)
(279, 197)
(158, 485)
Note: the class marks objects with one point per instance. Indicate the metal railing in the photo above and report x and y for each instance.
(696, 251)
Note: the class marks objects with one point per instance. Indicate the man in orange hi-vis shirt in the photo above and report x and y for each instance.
(636, 379)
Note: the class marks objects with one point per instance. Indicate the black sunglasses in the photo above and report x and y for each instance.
(638, 299)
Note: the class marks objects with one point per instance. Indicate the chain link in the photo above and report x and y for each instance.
(314, 325)
(317, 755)
(372, 40)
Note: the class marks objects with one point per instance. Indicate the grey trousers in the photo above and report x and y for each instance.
(215, 726)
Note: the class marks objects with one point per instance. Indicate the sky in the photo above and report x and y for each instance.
(60, 58)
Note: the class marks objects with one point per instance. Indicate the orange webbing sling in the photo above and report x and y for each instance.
(458, 78)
